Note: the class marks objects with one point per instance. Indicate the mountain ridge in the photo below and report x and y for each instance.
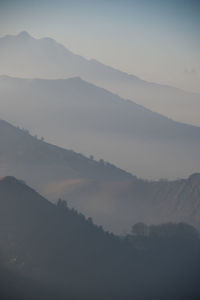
(112, 197)
(75, 114)
(129, 75)
(50, 251)
(61, 63)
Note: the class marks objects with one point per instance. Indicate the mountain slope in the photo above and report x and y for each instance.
(77, 115)
(113, 197)
(118, 205)
(53, 247)
(33, 159)
(24, 56)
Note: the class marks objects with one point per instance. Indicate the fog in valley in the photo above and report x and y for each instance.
(99, 150)
(93, 121)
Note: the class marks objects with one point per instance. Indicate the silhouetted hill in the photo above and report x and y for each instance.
(52, 244)
(50, 251)
(45, 58)
(77, 115)
(113, 197)
(39, 162)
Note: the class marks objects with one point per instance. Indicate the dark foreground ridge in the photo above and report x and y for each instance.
(52, 252)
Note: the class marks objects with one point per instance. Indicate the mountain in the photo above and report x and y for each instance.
(53, 245)
(28, 157)
(52, 252)
(77, 115)
(112, 197)
(118, 205)
(25, 56)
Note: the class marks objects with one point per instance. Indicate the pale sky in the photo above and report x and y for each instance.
(156, 40)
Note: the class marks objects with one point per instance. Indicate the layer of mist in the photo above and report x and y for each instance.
(77, 115)
(25, 56)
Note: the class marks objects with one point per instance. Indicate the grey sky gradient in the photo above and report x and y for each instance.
(155, 40)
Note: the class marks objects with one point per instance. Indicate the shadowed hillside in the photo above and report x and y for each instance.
(48, 248)
(77, 115)
(40, 163)
(113, 197)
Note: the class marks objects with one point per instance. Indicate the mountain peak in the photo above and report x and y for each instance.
(24, 35)
(10, 180)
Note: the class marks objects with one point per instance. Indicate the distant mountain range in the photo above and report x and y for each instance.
(67, 248)
(25, 56)
(50, 252)
(77, 115)
(112, 197)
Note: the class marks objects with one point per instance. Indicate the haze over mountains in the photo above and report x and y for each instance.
(77, 115)
(25, 56)
(99, 169)
(114, 198)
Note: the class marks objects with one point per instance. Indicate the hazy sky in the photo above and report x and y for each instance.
(156, 40)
